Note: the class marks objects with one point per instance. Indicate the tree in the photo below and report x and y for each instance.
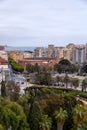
(71, 82)
(84, 68)
(60, 116)
(62, 80)
(36, 67)
(78, 114)
(75, 82)
(45, 123)
(64, 65)
(15, 66)
(1, 127)
(58, 79)
(29, 68)
(18, 118)
(43, 78)
(34, 116)
(3, 89)
(12, 90)
(66, 80)
(64, 62)
(12, 116)
(47, 78)
(84, 85)
(83, 127)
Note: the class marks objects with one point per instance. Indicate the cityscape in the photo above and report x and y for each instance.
(43, 65)
(43, 56)
(52, 68)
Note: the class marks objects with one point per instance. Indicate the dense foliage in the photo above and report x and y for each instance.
(84, 68)
(32, 68)
(65, 66)
(10, 90)
(16, 66)
(12, 116)
(40, 108)
(43, 78)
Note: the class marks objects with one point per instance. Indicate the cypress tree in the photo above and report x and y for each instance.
(3, 89)
(35, 116)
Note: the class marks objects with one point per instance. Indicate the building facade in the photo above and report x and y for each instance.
(43, 62)
(16, 55)
(79, 54)
(28, 54)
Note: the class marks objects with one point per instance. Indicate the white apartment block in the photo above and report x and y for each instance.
(50, 52)
(3, 54)
(38, 52)
(28, 54)
(79, 54)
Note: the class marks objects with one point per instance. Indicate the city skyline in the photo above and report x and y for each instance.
(39, 23)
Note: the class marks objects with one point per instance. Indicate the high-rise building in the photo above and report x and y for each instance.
(86, 51)
(51, 51)
(79, 54)
(40, 52)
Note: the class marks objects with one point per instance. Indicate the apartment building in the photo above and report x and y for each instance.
(3, 53)
(16, 55)
(39, 52)
(28, 54)
(50, 52)
(3, 64)
(79, 54)
(86, 51)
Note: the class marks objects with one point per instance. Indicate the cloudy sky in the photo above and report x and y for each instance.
(43, 22)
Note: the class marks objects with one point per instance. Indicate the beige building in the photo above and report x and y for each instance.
(65, 53)
(51, 51)
(16, 55)
(39, 52)
(4, 55)
(28, 54)
(3, 63)
(70, 45)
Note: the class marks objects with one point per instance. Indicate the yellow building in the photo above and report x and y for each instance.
(65, 53)
(16, 55)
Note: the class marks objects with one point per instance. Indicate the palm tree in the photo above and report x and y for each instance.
(84, 85)
(45, 123)
(78, 114)
(60, 116)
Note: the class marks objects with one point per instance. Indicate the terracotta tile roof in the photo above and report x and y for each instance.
(2, 61)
